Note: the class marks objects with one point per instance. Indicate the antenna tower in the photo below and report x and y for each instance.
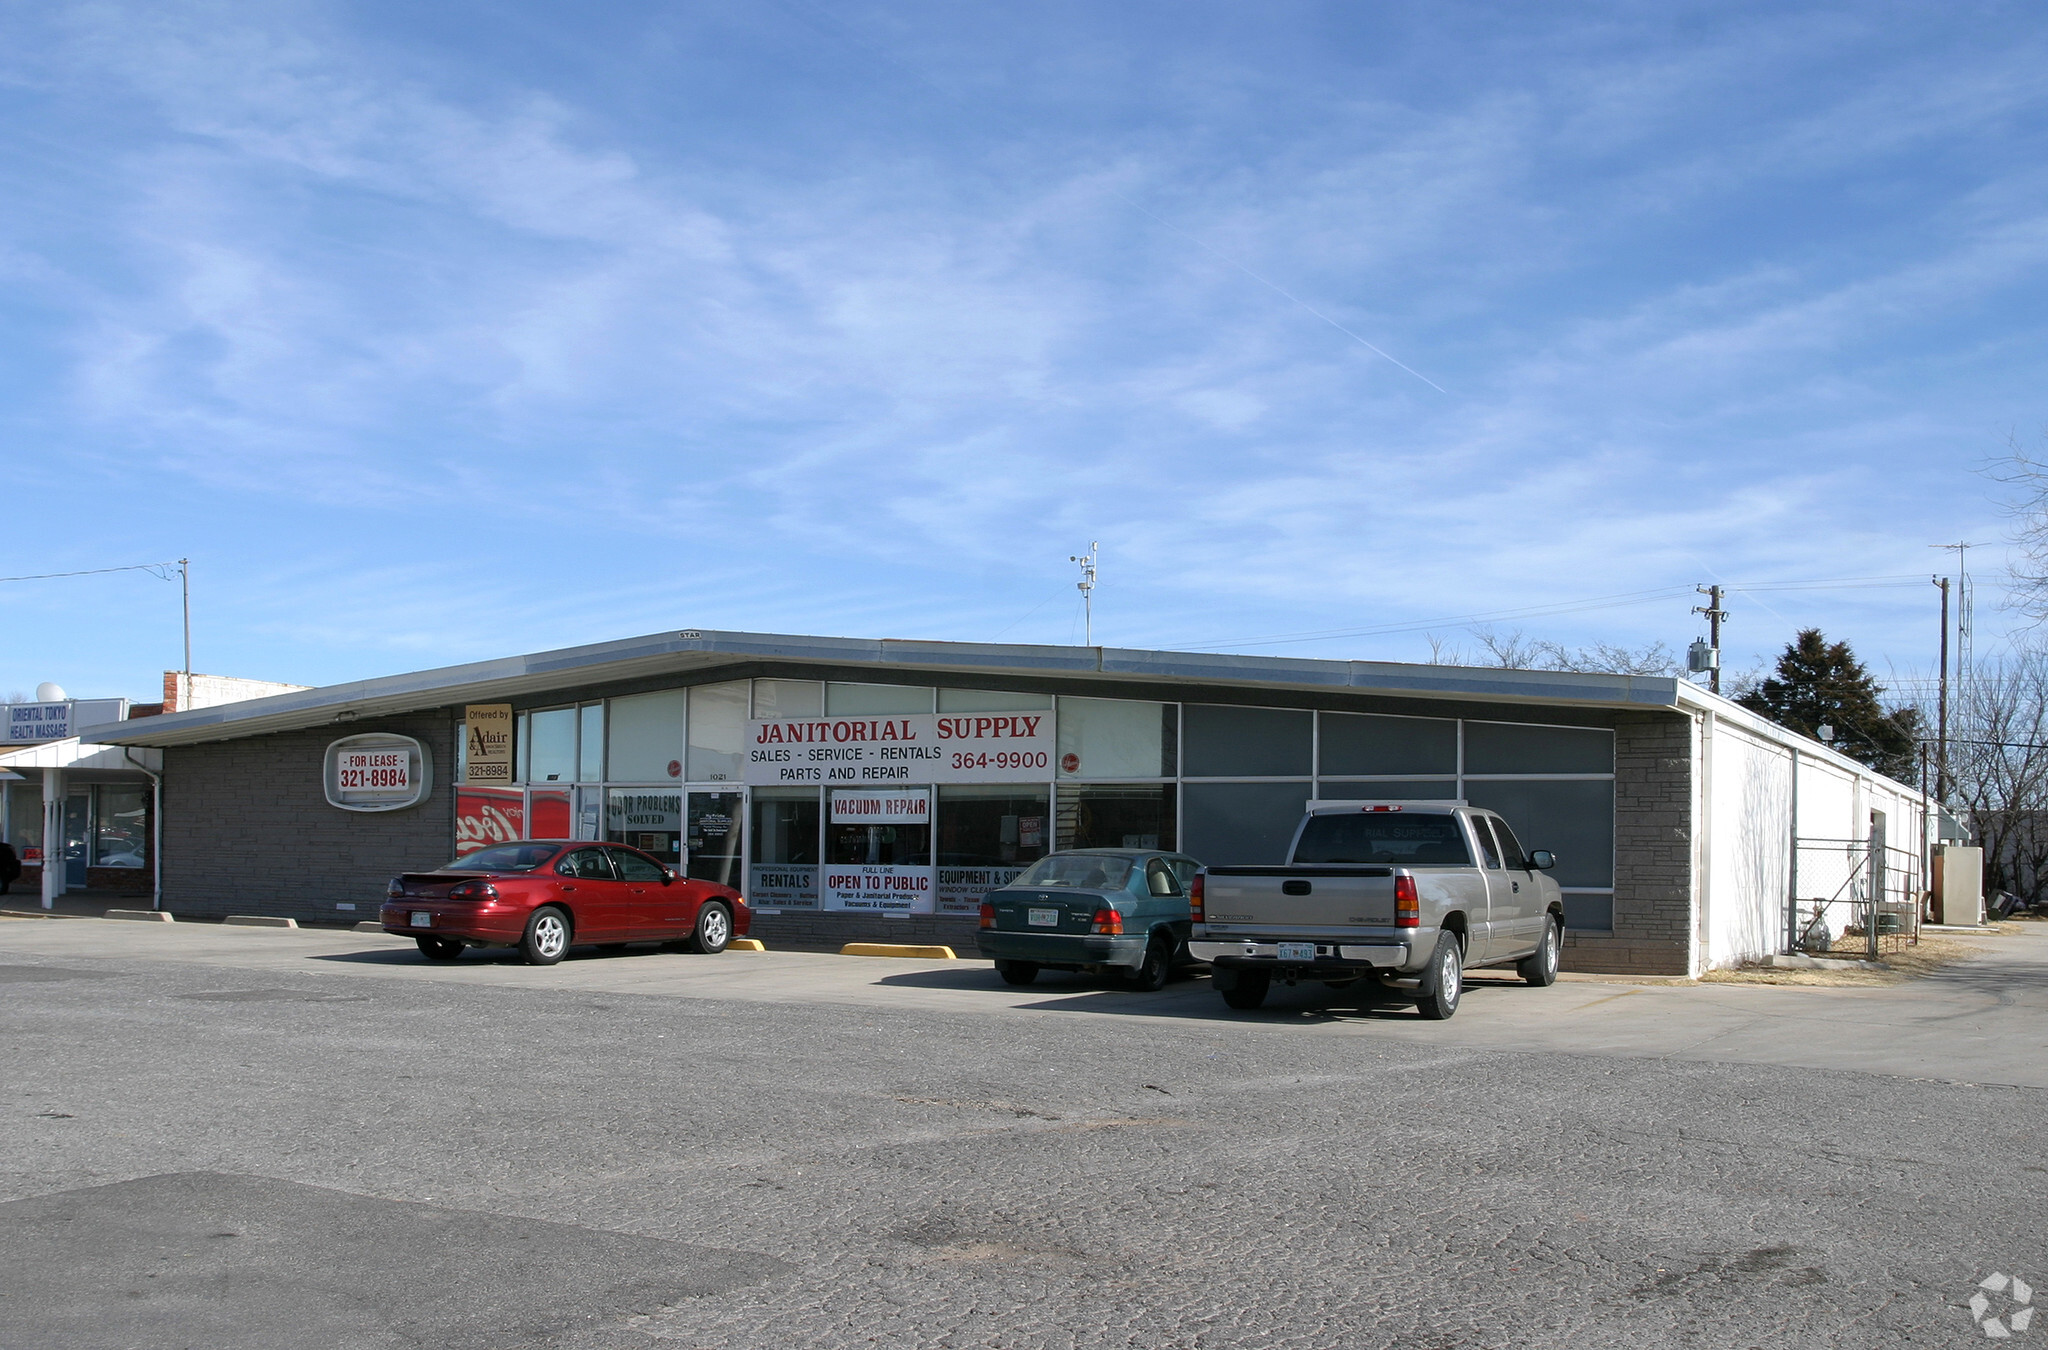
(1086, 585)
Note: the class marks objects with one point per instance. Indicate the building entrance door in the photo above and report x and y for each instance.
(77, 831)
(711, 833)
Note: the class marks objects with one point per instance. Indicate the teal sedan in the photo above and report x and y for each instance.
(1095, 909)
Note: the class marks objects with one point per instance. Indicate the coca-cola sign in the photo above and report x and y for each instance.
(486, 816)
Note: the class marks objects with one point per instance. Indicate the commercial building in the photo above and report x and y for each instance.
(863, 789)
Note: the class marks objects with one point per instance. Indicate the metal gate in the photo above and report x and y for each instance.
(1854, 897)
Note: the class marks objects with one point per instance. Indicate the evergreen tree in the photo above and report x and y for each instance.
(1822, 683)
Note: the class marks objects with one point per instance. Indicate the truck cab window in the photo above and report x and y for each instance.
(1487, 848)
(1510, 847)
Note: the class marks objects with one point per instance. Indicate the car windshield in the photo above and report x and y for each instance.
(505, 858)
(1381, 837)
(1082, 871)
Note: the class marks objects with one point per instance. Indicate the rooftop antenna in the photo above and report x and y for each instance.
(1966, 610)
(1086, 585)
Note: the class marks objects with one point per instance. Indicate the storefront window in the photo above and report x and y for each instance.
(25, 818)
(1370, 743)
(1247, 823)
(590, 754)
(553, 757)
(520, 737)
(714, 837)
(649, 820)
(784, 870)
(1218, 741)
(987, 835)
(788, 698)
(548, 815)
(1135, 815)
(645, 732)
(860, 700)
(120, 828)
(1113, 738)
(718, 731)
(990, 700)
(879, 851)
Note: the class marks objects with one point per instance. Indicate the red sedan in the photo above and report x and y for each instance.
(543, 895)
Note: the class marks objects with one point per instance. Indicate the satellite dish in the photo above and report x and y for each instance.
(50, 692)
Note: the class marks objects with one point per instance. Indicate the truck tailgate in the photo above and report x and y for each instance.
(1319, 898)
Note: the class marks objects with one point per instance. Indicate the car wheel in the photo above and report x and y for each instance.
(714, 929)
(1248, 990)
(1540, 966)
(546, 940)
(439, 949)
(1151, 974)
(1445, 982)
(1017, 972)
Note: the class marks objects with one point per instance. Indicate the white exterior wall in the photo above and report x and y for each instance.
(1749, 856)
(1761, 788)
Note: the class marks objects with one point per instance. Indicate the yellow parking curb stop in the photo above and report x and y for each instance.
(898, 949)
(746, 945)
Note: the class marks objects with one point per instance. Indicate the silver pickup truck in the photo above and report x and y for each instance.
(1409, 894)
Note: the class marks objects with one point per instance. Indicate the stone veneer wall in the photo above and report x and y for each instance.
(248, 830)
(1653, 854)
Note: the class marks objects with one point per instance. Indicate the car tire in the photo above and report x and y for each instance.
(1248, 990)
(439, 949)
(1444, 985)
(1017, 972)
(1150, 975)
(546, 939)
(1540, 966)
(714, 928)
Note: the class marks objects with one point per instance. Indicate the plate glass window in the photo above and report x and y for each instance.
(645, 736)
(651, 821)
(1115, 738)
(784, 871)
(552, 756)
(714, 837)
(120, 827)
(718, 731)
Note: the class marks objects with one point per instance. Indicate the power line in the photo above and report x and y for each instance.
(163, 570)
(1564, 607)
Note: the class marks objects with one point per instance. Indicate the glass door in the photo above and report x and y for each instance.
(712, 836)
(77, 830)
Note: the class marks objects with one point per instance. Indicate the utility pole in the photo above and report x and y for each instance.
(1712, 609)
(1941, 716)
(1086, 585)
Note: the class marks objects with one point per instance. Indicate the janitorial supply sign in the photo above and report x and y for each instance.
(904, 748)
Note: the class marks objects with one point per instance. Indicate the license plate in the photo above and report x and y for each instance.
(422, 919)
(1043, 918)
(1297, 951)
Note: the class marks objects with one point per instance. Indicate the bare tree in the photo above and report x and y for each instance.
(1515, 650)
(1998, 768)
(2027, 475)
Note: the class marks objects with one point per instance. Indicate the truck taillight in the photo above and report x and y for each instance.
(1195, 898)
(1107, 921)
(988, 915)
(1407, 903)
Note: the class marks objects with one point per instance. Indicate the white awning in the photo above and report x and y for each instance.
(73, 754)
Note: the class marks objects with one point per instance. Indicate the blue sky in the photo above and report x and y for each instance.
(441, 332)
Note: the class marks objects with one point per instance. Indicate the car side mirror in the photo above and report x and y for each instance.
(667, 877)
(1542, 860)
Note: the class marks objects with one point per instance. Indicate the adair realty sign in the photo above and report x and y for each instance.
(901, 748)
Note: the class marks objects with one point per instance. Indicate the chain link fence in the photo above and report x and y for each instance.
(1856, 898)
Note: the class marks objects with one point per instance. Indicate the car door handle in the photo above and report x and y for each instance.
(1517, 885)
(568, 888)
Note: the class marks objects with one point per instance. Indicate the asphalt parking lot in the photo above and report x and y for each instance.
(232, 1137)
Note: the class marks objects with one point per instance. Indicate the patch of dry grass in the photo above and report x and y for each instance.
(1933, 951)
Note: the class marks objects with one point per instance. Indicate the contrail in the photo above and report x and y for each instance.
(1279, 290)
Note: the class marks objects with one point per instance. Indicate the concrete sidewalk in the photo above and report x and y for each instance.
(1984, 1020)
